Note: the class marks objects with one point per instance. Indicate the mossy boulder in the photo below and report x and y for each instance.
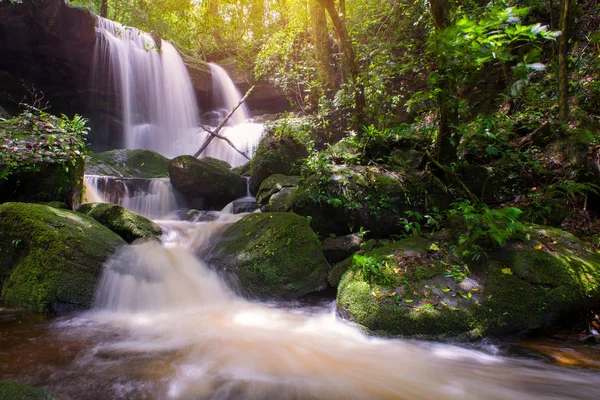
(275, 193)
(272, 256)
(276, 154)
(16, 391)
(353, 197)
(50, 259)
(419, 291)
(127, 224)
(128, 164)
(42, 159)
(206, 178)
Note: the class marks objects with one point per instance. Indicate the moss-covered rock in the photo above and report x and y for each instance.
(272, 256)
(128, 164)
(127, 224)
(418, 291)
(16, 391)
(42, 158)
(276, 154)
(208, 178)
(50, 259)
(354, 197)
(276, 192)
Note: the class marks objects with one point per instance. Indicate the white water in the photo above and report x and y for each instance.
(159, 109)
(171, 309)
(152, 198)
(157, 100)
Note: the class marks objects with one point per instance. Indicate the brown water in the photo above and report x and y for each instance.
(167, 327)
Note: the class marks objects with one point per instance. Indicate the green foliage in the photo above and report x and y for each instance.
(374, 270)
(36, 136)
(484, 225)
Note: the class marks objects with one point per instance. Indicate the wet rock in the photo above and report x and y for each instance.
(127, 224)
(128, 164)
(339, 248)
(208, 178)
(271, 256)
(410, 288)
(51, 259)
(354, 197)
(276, 192)
(245, 205)
(276, 154)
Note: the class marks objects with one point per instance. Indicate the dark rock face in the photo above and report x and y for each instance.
(207, 178)
(272, 256)
(51, 259)
(49, 46)
(341, 247)
(246, 205)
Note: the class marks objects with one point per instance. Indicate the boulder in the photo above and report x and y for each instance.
(42, 160)
(271, 256)
(16, 391)
(354, 196)
(245, 205)
(276, 154)
(208, 178)
(412, 288)
(128, 164)
(339, 248)
(51, 259)
(127, 224)
(275, 193)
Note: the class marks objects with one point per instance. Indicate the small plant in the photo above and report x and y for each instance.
(373, 269)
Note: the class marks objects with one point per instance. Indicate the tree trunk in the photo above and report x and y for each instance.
(349, 56)
(322, 49)
(104, 8)
(563, 68)
(445, 148)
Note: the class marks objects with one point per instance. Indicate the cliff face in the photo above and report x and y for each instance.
(47, 56)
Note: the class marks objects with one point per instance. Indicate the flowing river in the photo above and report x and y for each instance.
(165, 326)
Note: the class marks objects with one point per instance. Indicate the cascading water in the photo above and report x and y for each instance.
(157, 100)
(152, 198)
(153, 88)
(243, 133)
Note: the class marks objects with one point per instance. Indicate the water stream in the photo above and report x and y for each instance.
(166, 326)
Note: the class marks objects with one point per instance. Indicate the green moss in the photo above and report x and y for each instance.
(208, 178)
(129, 225)
(15, 391)
(50, 259)
(129, 164)
(526, 285)
(273, 255)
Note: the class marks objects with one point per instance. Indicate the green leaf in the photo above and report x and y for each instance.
(434, 247)
(506, 271)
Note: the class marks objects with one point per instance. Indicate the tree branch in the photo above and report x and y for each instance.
(454, 177)
(215, 133)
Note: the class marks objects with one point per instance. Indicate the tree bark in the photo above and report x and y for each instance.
(104, 8)
(349, 56)
(445, 148)
(322, 48)
(563, 68)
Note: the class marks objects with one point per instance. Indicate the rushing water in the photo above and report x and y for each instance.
(166, 326)
(157, 101)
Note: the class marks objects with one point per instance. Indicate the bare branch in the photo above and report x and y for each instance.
(214, 134)
(221, 125)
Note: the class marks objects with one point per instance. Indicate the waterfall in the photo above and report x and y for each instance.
(152, 86)
(226, 96)
(158, 106)
(152, 198)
